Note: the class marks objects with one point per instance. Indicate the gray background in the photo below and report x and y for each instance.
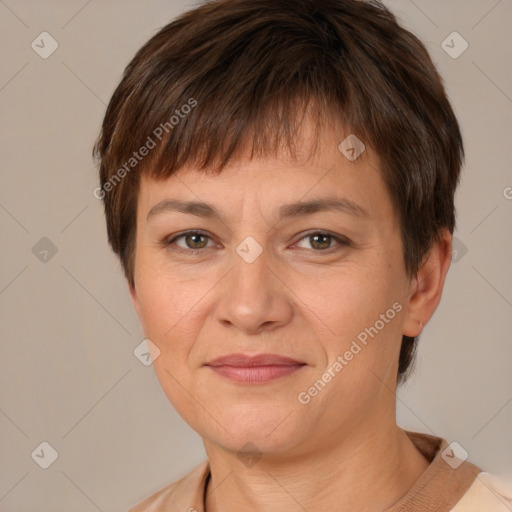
(68, 374)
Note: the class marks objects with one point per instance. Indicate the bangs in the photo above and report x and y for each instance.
(208, 141)
(241, 93)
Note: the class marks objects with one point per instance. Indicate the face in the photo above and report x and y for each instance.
(258, 272)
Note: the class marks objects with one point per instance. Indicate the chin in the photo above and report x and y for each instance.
(258, 432)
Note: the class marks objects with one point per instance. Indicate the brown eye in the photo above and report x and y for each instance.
(322, 241)
(193, 240)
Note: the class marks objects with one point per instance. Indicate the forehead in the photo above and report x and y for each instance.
(321, 175)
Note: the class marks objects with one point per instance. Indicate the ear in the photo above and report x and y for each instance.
(427, 286)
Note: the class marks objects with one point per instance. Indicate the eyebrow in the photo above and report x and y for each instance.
(297, 209)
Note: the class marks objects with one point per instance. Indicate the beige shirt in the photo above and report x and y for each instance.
(447, 485)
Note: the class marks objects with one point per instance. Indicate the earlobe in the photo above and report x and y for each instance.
(427, 286)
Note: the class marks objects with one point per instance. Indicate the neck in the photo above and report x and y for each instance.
(367, 471)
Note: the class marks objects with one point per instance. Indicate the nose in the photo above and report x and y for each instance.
(254, 297)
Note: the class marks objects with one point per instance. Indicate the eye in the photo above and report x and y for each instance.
(321, 240)
(194, 242)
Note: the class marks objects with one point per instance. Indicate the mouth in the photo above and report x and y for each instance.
(258, 369)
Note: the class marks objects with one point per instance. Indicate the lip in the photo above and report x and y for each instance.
(256, 369)
(247, 361)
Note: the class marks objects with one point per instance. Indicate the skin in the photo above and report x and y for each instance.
(300, 298)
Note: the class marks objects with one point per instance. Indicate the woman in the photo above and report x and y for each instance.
(278, 179)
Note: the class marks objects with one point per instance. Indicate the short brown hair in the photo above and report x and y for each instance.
(253, 67)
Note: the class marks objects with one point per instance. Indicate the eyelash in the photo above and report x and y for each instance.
(341, 240)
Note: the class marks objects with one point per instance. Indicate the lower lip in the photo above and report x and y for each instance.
(256, 374)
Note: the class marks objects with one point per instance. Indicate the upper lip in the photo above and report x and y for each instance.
(246, 361)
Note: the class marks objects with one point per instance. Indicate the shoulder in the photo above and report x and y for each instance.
(488, 493)
(183, 495)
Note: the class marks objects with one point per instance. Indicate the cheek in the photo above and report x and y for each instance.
(173, 310)
(350, 299)
(358, 316)
(165, 299)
